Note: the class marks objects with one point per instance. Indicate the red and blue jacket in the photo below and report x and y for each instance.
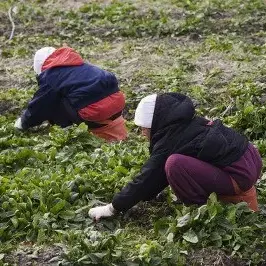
(71, 91)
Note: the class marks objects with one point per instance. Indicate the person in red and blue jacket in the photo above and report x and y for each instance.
(71, 92)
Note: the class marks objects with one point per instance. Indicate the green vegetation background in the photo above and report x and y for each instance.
(49, 177)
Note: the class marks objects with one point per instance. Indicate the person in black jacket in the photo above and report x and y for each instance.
(193, 155)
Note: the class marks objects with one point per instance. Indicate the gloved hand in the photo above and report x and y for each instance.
(102, 211)
(18, 124)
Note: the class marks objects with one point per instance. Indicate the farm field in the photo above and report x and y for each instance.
(214, 51)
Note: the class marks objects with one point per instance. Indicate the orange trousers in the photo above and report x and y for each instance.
(114, 130)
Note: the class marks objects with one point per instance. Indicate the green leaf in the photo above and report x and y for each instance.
(58, 206)
(226, 237)
(41, 235)
(7, 214)
(183, 221)
(237, 247)
(231, 214)
(190, 236)
(14, 221)
(162, 225)
(99, 255)
(215, 236)
(212, 199)
(67, 215)
(121, 169)
(248, 109)
(200, 212)
(170, 237)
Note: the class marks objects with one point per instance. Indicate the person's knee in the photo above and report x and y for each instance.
(173, 163)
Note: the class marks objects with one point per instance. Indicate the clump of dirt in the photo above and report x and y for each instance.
(7, 107)
(15, 72)
(144, 213)
(76, 4)
(26, 254)
(4, 29)
(215, 66)
(211, 257)
(205, 64)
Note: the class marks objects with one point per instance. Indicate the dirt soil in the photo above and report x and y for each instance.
(211, 257)
(30, 255)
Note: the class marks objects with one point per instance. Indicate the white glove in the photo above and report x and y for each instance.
(18, 124)
(102, 211)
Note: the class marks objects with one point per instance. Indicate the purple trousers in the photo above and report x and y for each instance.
(193, 180)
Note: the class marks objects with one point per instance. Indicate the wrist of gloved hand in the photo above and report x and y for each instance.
(97, 213)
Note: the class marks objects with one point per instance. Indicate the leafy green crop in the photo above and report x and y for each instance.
(50, 177)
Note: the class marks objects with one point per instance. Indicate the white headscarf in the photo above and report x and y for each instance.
(40, 57)
(145, 110)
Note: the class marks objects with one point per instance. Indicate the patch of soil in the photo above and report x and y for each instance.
(144, 57)
(75, 4)
(14, 72)
(221, 15)
(7, 107)
(144, 213)
(5, 25)
(211, 257)
(205, 64)
(26, 254)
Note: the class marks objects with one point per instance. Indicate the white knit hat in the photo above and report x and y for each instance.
(145, 110)
(40, 57)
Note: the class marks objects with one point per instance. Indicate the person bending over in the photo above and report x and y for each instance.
(71, 92)
(194, 155)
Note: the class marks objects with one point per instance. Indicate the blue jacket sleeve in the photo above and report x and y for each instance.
(40, 107)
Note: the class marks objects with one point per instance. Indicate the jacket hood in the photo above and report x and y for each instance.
(171, 109)
(64, 56)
